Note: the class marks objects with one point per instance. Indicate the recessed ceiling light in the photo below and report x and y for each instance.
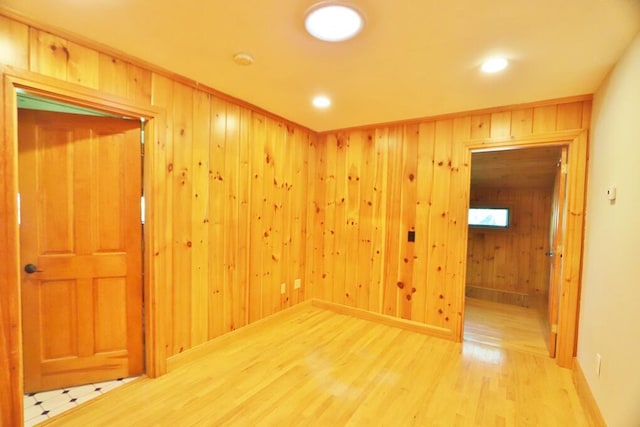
(333, 21)
(493, 65)
(321, 101)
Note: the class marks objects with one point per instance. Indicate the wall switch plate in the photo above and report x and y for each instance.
(283, 288)
(411, 236)
(297, 284)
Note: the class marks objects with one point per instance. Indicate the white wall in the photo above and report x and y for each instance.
(610, 308)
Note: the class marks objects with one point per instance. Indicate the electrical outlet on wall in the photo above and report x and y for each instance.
(297, 284)
(283, 288)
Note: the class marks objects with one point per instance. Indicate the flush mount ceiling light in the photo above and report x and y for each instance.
(333, 21)
(321, 101)
(493, 65)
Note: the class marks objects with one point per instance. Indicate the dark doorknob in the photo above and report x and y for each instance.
(31, 268)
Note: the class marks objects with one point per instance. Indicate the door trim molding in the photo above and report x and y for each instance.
(11, 380)
(573, 233)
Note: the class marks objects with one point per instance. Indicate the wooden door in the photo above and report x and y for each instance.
(80, 186)
(558, 210)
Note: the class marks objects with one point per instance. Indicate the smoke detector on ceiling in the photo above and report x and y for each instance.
(243, 58)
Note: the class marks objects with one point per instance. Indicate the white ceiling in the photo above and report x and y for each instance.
(415, 58)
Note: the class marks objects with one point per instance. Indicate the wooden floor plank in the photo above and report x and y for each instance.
(506, 325)
(318, 368)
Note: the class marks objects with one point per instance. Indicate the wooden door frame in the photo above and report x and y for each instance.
(558, 212)
(11, 379)
(573, 233)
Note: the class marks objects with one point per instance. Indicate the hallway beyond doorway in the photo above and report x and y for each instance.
(506, 325)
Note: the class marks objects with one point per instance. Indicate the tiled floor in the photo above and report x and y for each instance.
(39, 407)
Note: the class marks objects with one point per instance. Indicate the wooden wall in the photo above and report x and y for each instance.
(373, 185)
(511, 260)
(231, 190)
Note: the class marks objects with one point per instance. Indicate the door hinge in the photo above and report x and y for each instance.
(142, 130)
(554, 328)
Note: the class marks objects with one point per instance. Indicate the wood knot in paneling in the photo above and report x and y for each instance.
(54, 49)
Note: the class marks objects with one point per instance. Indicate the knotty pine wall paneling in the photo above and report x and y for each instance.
(458, 214)
(257, 162)
(15, 50)
(418, 181)
(232, 194)
(424, 177)
(512, 260)
(391, 187)
(438, 296)
(200, 220)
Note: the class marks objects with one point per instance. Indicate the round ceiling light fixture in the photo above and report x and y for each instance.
(321, 102)
(333, 21)
(493, 65)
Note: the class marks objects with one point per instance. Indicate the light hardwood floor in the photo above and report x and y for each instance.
(507, 325)
(312, 367)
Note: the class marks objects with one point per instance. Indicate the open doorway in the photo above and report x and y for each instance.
(11, 394)
(509, 280)
(80, 180)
